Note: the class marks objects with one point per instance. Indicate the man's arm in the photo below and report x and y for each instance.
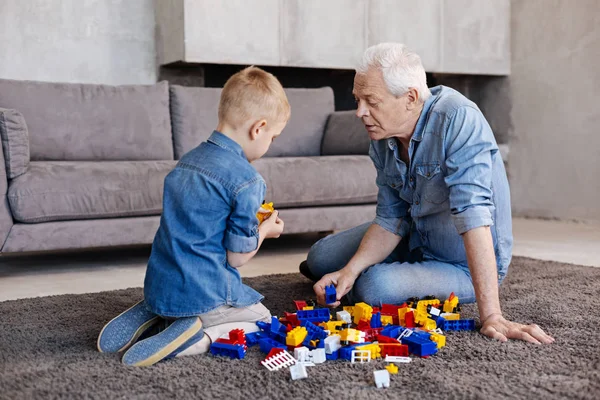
(482, 264)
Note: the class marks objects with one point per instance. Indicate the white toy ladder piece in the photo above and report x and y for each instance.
(362, 356)
(278, 361)
(397, 359)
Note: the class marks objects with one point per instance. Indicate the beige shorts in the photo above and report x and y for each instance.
(228, 314)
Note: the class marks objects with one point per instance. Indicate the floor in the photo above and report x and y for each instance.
(85, 272)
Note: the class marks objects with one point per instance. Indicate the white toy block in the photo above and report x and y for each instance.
(278, 361)
(302, 354)
(332, 344)
(397, 359)
(344, 316)
(361, 356)
(318, 356)
(382, 378)
(435, 311)
(298, 371)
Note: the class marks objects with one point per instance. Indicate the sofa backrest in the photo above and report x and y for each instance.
(194, 117)
(83, 122)
(345, 134)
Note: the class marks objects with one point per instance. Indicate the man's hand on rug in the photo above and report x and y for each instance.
(497, 327)
(343, 280)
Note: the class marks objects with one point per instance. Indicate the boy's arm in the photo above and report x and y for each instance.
(236, 260)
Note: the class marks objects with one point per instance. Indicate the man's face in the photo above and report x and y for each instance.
(383, 114)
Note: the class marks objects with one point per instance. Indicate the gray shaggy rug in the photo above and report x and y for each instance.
(47, 350)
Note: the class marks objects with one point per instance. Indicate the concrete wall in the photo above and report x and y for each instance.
(555, 152)
(91, 41)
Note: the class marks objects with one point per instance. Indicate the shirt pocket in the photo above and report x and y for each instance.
(430, 183)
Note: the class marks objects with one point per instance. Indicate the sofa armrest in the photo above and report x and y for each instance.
(345, 134)
(6, 220)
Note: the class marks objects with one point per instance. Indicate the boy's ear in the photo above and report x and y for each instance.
(256, 128)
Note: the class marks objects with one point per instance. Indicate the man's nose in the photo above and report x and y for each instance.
(361, 111)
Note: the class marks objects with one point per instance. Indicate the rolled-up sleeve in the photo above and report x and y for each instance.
(470, 145)
(241, 235)
(391, 211)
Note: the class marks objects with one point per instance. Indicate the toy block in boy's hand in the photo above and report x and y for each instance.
(264, 212)
(330, 294)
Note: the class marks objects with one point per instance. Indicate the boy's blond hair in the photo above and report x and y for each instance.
(255, 94)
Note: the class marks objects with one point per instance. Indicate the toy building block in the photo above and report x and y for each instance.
(235, 337)
(429, 324)
(291, 319)
(264, 212)
(451, 304)
(376, 320)
(317, 332)
(382, 378)
(298, 371)
(439, 339)
(420, 346)
(296, 336)
(386, 339)
(349, 310)
(229, 350)
(252, 338)
(459, 325)
(422, 304)
(391, 331)
(330, 294)
(352, 335)
(362, 311)
(308, 308)
(394, 349)
(409, 319)
(392, 368)
(361, 356)
(278, 361)
(332, 326)
(302, 354)
(373, 348)
(278, 330)
(266, 344)
(371, 334)
(343, 316)
(332, 344)
(346, 351)
(387, 320)
(434, 311)
(450, 316)
(317, 315)
(318, 356)
(300, 304)
(394, 359)
(333, 356)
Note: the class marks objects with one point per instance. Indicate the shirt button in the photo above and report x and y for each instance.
(417, 202)
(428, 174)
(411, 179)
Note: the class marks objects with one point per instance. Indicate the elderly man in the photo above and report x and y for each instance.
(443, 219)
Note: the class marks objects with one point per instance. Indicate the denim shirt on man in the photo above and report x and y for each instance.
(455, 182)
(209, 206)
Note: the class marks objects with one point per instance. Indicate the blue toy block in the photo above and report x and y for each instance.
(317, 332)
(346, 351)
(266, 344)
(333, 356)
(420, 346)
(440, 321)
(459, 325)
(228, 350)
(392, 331)
(278, 330)
(330, 294)
(315, 316)
(306, 342)
(264, 326)
(376, 320)
(253, 338)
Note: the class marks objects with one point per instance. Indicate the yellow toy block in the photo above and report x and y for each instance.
(402, 312)
(439, 339)
(362, 311)
(374, 348)
(352, 335)
(387, 320)
(332, 326)
(451, 303)
(296, 336)
(392, 368)
(308, 308)
(422, 305)
(429, 324)
(264, 212)
(350, 310)
(450, 316)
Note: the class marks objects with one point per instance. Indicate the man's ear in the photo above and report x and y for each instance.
(256, 128)
(412, 99)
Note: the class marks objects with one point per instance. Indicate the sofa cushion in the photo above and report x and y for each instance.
(345, 134)
(318, 181)
(82, 122)
(54, 191)
(195, 114)
(15, 142)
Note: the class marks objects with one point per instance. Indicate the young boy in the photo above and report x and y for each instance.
(193, 292)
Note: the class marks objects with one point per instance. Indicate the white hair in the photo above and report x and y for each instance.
(401, 68)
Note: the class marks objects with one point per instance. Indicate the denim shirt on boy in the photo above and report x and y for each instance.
(455, 182)
(209, 206)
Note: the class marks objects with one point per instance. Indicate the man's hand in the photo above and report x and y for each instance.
(272, 226)
(496, 327)
(343, 280)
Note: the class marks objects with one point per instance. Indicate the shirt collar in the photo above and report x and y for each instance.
(226, 143)
(422, 121)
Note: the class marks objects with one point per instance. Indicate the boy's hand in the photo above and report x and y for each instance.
(273, 226)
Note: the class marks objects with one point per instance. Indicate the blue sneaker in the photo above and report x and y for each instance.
(123, 330)
(183, 332)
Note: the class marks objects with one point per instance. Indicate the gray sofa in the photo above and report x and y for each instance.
(84, 164)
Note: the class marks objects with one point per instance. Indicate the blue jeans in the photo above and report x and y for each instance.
(402, 275)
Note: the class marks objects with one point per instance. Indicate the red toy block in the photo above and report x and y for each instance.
(376, 310)
(363, 325)
(291, 319)
(409, 319)
(371, 334)
(236, 337)
(300, 304)
(391, 309)
(393, 349)
(386, 339)
(273, 351)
